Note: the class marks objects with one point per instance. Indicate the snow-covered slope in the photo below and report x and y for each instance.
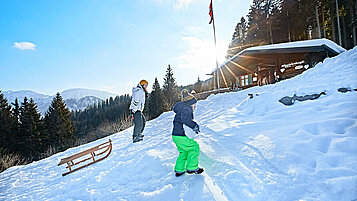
(251, 149)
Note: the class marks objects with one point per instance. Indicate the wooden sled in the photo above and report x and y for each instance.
(100, 149)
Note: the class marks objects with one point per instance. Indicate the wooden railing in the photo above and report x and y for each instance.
(204, 95)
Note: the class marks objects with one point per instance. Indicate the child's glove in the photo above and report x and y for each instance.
(196, 129)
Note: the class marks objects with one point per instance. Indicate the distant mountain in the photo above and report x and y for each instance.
(75, 99)
(81, 93)
(82, 103)
(12, 95)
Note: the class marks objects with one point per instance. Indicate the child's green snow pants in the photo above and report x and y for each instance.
(189, 152)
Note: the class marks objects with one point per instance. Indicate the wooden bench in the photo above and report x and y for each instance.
(93, 156)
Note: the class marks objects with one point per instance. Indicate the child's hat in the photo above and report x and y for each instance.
(186, 96)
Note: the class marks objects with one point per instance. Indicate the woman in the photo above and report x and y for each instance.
(136, 108)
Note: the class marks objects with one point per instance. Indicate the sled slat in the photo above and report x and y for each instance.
(103, 151)
(81, 161)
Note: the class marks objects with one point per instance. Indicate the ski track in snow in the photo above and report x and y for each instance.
(251, 149)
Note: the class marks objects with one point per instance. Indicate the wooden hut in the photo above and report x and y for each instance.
(270, 63)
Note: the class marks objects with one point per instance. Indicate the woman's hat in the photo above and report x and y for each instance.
(142, 82)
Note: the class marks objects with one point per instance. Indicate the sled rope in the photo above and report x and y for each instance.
(242, 101)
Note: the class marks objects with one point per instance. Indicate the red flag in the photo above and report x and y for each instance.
(210, 12)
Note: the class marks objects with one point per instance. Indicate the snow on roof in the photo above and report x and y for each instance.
(296, 44)
(305, 43)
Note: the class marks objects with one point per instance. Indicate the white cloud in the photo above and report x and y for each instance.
(24, 45)
(182, 3)
(200, 55)
(179, 4)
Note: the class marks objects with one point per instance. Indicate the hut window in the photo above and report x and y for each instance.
(246, 80)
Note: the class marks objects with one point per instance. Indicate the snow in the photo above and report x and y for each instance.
(306, 43)
(20, 95)
(79, 93)
(295, 44)
(251, 149)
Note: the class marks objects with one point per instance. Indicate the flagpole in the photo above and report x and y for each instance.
(215, 46)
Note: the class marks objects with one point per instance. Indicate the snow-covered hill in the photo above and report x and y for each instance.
(82, 103)
(251, 149)
(75, 99)
(20, 95)
(81, 93)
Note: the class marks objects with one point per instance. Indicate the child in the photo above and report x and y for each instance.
(189, 149)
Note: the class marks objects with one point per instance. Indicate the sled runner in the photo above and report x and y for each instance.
(90, 153)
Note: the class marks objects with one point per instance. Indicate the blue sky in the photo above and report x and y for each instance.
(49, 46)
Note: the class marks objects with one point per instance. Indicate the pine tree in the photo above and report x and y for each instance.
(94, 117)
(58, 125)
(30, 130)
(238, 39)
(170, 89)
(16, 109)
(278, 21)
(156, 102)
(198, 86)
(6, 124)
(16, 118)
(240, 31)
